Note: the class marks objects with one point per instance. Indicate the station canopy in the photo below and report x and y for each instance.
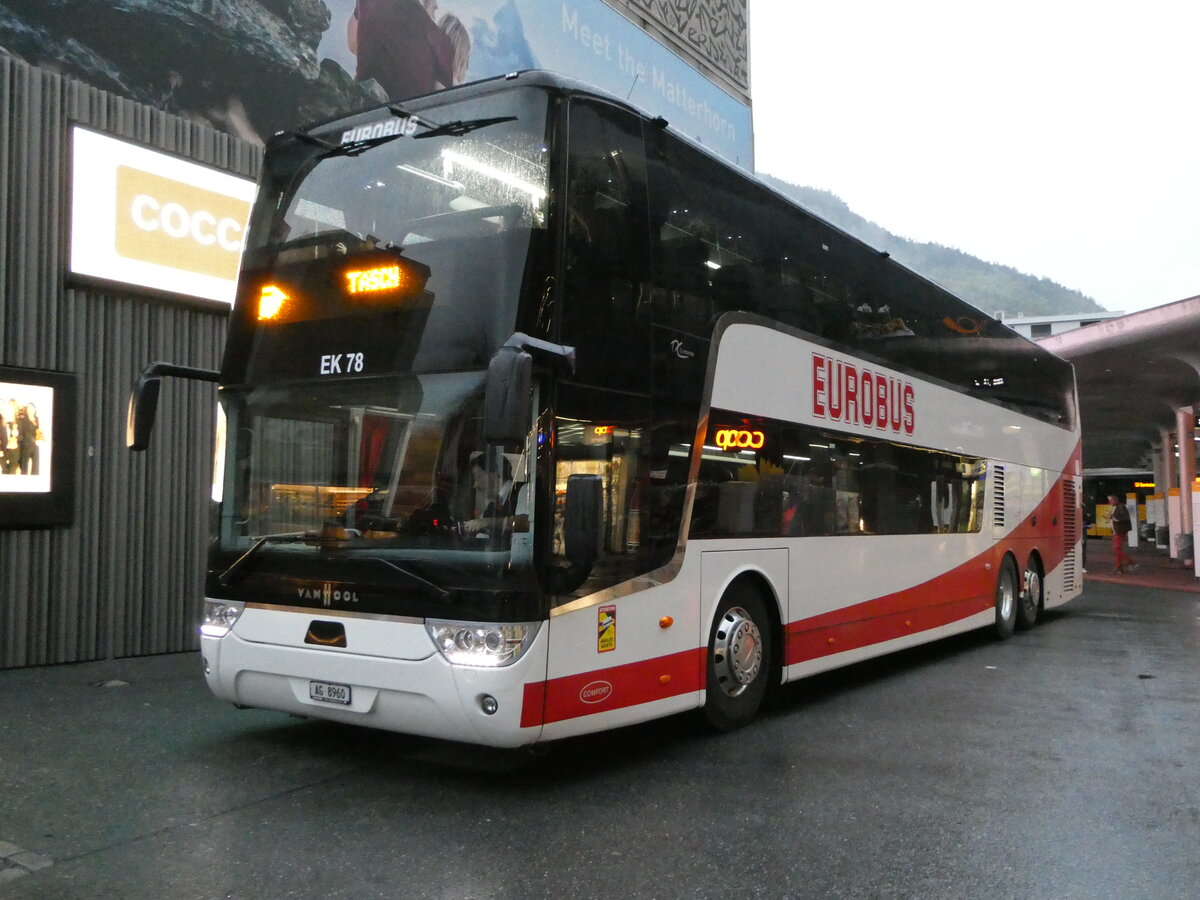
(1133, 373)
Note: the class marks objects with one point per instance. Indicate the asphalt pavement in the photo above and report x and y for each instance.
(1063, 763)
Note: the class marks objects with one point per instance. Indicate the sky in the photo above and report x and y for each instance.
(1058, 137)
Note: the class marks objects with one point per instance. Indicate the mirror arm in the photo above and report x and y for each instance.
(558, 356)
(143, 399)
(158, 369)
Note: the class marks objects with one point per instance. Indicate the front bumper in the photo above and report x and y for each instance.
(423, 696)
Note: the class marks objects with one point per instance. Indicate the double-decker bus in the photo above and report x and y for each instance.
(541, 420)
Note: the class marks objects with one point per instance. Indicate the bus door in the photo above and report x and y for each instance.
(607, 617)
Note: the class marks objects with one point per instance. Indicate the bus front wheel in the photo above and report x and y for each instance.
(1007, 598)
(739, 659)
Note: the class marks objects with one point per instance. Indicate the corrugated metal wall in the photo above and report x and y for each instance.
(127, 577)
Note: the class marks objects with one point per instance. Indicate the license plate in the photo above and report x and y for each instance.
(327, 692)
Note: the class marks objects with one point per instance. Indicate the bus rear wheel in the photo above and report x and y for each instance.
(1007, 594)
(1030, 605)
(739, 659)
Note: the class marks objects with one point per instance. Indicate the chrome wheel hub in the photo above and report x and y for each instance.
(1033, 590)
(1007, 597)
(737, 651)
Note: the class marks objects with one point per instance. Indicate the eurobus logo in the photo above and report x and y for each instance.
(392, 127)
(857, 395)
(595, 692)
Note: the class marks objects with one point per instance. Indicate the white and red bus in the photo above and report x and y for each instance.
(541, 421)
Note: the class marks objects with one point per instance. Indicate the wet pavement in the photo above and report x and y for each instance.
(1063, 763)
(1152, 568)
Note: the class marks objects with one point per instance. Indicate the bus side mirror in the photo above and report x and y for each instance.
(143, 400)
(143, 409)
(509, 381)
(507, 396)
(581, 522)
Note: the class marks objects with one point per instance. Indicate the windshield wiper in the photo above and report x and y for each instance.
(234, 572)
(459, 127)
(353, 148)
(350, 148)
(413, 576)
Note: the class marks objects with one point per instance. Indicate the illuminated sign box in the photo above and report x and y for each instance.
(37, 448)
(152, 220)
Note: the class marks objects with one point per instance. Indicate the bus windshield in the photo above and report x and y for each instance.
(406, 253)
(384, 481)
(382, 273)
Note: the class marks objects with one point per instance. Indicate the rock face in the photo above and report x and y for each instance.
(249, 67)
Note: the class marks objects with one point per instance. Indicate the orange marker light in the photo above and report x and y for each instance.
(664, 679)
(666, 622)
(271, 301)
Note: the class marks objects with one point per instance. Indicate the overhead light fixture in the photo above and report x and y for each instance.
(429, 176)
(454, 158)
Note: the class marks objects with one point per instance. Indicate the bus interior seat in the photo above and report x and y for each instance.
(609, 242)
(734, 288)
(798, 308)
(683, 272)
(834, 319)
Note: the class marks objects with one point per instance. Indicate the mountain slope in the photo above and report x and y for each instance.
(989, 286)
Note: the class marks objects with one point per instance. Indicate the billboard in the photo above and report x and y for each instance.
(585, 39)
(152, 220)
(251, 68)
(37, 448)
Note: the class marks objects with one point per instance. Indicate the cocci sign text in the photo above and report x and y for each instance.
(153, 220)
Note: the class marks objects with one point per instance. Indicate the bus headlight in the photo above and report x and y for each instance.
(482, 643)
(220, 616)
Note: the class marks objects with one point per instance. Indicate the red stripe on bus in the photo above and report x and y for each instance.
(971, 588)
(920, 608)
(805, 642)
(617, 687)
(532, 704)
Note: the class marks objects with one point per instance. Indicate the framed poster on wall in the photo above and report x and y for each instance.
(37, 448)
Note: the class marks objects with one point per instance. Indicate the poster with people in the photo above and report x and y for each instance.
(26, 437)
(412, 47)
(257, 68)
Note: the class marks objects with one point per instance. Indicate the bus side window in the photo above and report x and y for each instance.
(592, 439)
(681, 285)
(734, 289)
(605, 300)
(709, 257)
(795, 306)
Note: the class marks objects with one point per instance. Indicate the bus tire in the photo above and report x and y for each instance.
(1007, 595)
(1029, 605)
(739, 658)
